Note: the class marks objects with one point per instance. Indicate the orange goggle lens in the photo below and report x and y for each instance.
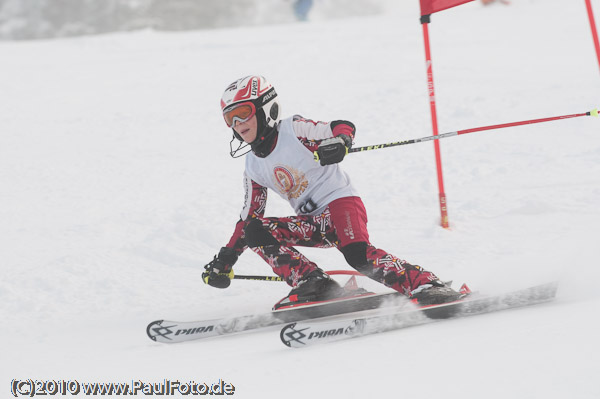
(241, 113)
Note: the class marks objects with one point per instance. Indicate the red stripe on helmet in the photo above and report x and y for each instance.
(245, 93)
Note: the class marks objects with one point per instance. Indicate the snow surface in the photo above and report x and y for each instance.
(117, 187)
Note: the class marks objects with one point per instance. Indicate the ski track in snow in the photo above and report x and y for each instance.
(117, 187)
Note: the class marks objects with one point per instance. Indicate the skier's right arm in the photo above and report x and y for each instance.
(219, 271)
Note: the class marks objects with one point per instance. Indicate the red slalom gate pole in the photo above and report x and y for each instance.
(590, 12)
(436, 145)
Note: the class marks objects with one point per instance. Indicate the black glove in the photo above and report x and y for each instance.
(333, 150)
(219, 271)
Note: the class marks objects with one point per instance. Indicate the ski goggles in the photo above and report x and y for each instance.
(239, 113)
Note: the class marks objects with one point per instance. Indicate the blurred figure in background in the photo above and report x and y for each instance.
(302, 8)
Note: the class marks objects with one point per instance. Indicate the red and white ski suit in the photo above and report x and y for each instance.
(329, 212)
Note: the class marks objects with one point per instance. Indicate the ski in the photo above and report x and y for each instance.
(166, 331)
(298, 334)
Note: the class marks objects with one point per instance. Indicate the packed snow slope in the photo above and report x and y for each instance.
(117, 188)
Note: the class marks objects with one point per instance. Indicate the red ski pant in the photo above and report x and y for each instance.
(343, 223)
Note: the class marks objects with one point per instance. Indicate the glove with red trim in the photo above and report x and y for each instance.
(334, 150)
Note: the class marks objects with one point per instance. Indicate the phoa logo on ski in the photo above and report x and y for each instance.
(293, 337)
(158, 332)
(356, 328)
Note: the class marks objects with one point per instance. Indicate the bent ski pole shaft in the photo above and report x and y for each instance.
(593, 112)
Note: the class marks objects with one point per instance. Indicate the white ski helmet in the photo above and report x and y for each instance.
(249, 96)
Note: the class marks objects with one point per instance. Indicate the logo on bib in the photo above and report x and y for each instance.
(290, 182)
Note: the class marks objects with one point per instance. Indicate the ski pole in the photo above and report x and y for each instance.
(593, 112)
(277, 278)
(260, 278)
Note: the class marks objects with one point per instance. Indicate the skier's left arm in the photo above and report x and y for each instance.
(330, 140)
(219, 272)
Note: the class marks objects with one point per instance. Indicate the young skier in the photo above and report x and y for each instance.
(329, 212)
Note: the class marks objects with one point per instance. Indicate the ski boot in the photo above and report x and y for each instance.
(314, 287)
(435, 293)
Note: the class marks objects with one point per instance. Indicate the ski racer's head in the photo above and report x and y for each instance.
(250, 108)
